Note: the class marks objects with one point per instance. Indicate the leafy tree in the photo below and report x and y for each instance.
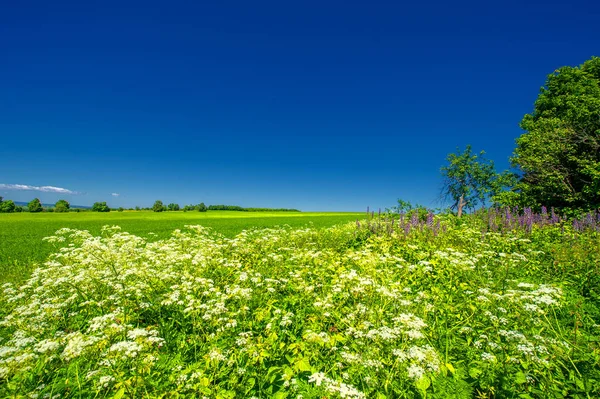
(158, 206)
(120, 209)
(35, 206)
(468, 179)
(137, 208)
(559, 153)
(404, 206)
(201, 207)
(173, 207)
(100, 207)
(7, 206)
(62, 206)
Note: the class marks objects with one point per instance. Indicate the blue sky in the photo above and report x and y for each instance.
(325, 105)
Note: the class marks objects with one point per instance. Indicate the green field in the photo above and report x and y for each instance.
(21, 234)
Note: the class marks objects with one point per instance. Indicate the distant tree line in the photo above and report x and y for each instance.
(62, 205)
(34, 206)
(201, 207)
(239, 208)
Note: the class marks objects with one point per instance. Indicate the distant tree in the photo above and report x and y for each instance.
(469, 179)
(201, 207)
(62, 206)
(100, 207)
(19, 209)
(35, 206)
(137, 208)
(404, 206)
(120, 209)
(158, 206)
(7, 206)
(173, 207)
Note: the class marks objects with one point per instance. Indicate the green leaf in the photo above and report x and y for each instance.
(520, 378)
(423, 383)
(474, 372)
(250, 384)
(451, 368)
(303, 365)
(119, 394)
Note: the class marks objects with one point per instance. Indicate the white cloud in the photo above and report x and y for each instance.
(115, 194)
(44, 189)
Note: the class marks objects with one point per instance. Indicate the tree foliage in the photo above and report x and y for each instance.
(469, 179)
(158, 206)
(62, 206)
(559, 153)
(100, 207)
(173, 207)
(35, 205)
(225, 208)
(7, 206)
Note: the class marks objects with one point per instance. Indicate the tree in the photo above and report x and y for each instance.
(469, 180)
(158, 206)
(559, 153)
(201, 207)
(173, 207)
(35, 206)
(62, 206)
(100, 207)
(7, 206)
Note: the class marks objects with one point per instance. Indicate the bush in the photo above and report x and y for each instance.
(158, 206)
(62, 206)
(35, 206)
(7, 206)
(100, 207)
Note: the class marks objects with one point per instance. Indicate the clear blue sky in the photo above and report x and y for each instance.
(324, 105)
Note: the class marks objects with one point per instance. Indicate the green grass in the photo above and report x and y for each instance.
(21, 234)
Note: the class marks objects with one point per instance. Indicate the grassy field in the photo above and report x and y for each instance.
(21, 234)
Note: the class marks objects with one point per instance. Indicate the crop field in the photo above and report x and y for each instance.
(435, 307)
(21, 234)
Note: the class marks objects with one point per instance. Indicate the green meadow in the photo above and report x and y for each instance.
(21, 234)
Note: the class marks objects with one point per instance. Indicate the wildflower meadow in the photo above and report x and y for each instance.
(498, 305)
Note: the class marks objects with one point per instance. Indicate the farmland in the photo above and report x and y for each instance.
(21, 234)
(440, 307)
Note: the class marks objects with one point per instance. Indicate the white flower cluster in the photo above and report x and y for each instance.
(333, 387)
